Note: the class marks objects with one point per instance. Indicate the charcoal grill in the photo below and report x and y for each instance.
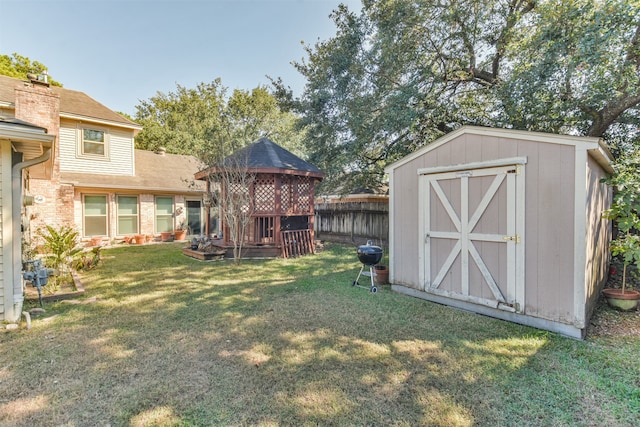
(369, 255)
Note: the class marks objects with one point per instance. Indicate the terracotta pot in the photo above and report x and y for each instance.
(166, 236)
(180, 234)
(382, 274)
(626, 301)
(95, 241)
(139, 239)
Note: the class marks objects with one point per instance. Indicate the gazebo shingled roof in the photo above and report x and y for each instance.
(265, 156)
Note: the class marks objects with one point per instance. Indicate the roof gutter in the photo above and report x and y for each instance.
(16, 206)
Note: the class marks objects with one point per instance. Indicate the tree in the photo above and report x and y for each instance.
(203, 122)
(187, 121)
(401, 73)
(576, 69)
(232, 181)
(19, 66)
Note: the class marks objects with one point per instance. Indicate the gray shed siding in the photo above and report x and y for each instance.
(551, 211)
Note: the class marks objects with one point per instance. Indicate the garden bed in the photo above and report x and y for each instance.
(64, 291)
(204, 256)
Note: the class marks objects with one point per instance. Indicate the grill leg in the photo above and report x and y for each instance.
(371, 275)
(372, 272)
(359, 274)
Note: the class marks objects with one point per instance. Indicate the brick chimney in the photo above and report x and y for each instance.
(37, 103)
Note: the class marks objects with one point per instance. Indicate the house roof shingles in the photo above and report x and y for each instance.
(72, 102)
(168, 173)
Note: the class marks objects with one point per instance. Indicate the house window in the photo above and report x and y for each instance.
(93, 142)
(127, 215)
(95, 216)
(164, 214)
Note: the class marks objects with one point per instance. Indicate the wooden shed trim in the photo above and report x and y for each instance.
(515, 225)
(580, 239)
(474, 165)
(596, 146)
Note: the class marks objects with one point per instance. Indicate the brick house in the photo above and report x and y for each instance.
(96, 181)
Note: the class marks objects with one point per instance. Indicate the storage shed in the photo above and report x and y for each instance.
(504, 223)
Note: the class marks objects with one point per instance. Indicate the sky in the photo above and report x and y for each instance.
(120, 52)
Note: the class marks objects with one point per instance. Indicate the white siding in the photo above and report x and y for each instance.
(120, 161)
(3, 283)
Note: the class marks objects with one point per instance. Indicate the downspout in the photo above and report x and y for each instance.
(16, 206)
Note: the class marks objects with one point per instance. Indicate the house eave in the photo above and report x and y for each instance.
(134, 127)
(133, 188)
(27, 136)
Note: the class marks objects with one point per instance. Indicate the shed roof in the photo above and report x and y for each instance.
(171, 173)
(73, 104)
(266, 156)
(594, 146)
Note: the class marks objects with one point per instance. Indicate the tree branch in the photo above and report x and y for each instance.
(610, 112)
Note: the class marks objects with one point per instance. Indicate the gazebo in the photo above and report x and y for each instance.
(279, 199)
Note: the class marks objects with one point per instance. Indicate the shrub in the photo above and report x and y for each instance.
(61, 251)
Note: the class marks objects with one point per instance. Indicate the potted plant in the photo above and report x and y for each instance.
(180, 233)
(628, 248)
(624, 211)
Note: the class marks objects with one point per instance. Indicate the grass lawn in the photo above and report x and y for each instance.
(171, 341)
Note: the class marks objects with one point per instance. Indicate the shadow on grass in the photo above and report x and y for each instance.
(175, 341)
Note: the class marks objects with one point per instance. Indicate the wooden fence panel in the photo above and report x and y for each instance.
(355, 222)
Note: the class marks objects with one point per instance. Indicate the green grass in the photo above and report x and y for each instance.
(174, 341)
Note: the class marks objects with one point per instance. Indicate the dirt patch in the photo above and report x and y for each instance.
(607, 322)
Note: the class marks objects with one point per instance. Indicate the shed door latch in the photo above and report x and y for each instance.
(515, 238)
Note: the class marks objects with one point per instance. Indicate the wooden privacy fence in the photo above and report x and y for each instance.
(353, 219)
(297, 243)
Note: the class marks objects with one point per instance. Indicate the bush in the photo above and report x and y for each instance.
(625, 211)
(61, 251)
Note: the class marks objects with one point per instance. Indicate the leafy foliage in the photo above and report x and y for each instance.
(402, 73)
(61, 249)
(203, 122)
(88, 260)
(19, 66)
(625, 211)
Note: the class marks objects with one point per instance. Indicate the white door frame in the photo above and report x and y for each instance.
(512, 171)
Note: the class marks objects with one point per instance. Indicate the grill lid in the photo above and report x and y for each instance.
(369, 254)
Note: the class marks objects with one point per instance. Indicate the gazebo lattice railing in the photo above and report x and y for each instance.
(278, 203)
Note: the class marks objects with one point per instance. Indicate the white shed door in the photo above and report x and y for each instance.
(473, 227)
